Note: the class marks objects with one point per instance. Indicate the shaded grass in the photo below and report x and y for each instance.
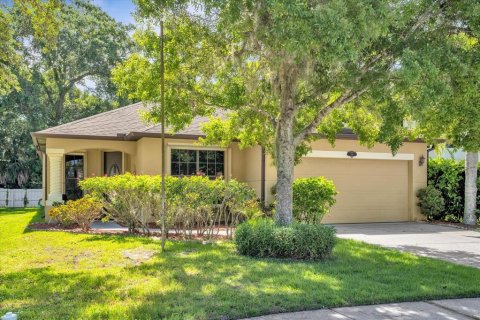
(58, 275)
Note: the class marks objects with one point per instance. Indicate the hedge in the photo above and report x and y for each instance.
(264, 238)
(448, 177)
(192, 203)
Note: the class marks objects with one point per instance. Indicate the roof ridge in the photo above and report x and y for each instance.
(91, 117)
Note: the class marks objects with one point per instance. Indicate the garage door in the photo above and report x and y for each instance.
(369, 190)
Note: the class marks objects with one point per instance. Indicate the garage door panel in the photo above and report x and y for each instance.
(369, 190)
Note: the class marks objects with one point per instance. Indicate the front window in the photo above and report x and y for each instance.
(74, 172)
(197, 162)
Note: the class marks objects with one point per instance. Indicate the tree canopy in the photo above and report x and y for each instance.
(442, 90)
(64, 52)
(286, 71)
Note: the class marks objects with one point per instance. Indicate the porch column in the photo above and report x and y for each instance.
(55, 171)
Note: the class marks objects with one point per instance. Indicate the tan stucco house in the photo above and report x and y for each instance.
(373, 186)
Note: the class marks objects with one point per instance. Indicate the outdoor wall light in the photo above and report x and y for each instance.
(421, 160)
(351, 154)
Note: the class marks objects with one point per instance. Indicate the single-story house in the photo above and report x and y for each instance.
(373, 185)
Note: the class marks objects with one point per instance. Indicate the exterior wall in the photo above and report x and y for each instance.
(253, 166)
(417, 175)
(144, 157)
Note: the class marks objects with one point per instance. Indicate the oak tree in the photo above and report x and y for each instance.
(286, 71)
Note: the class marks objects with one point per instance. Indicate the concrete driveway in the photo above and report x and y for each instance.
(424, 239)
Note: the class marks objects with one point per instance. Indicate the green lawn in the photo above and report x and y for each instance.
(57, 275)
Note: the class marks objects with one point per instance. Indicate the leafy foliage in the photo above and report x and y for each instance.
(284, 70)
(81, 212)
(312, 198)
(265, 238)
(193, 204)
(63, 54)
(448, 176)
(9, 58)
(431, 202)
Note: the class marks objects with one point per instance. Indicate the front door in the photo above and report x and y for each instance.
(74, 172)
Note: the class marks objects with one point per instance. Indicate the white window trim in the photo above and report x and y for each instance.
(190, 146)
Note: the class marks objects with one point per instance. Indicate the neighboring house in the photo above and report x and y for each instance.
(373, 186)
(448, 153)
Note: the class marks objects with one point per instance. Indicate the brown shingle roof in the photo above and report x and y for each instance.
(121, 122)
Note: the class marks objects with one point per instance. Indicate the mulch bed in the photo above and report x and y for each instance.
(42, 226)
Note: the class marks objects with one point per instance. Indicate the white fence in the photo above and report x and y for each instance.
(19, 198)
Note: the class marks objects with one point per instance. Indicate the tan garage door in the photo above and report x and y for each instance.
(369, 190)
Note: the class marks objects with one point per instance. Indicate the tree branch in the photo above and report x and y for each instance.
(342, 100)
(74, 80)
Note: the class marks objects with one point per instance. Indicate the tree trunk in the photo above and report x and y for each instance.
(59, 106)
(285, 152)
(471, 167)
(284, 140)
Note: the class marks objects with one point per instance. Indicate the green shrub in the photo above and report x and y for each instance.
(448, 176)
(264, 238)
(431, 202)
(81, 212)
(192, 203)
(312, 198)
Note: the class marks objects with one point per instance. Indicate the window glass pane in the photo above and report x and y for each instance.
(175, 155)
(183, 169)
(79, 173)
(202, 167)
(219, 156)
(202, 155)
(211, 156)
(175, 169)
(187, 156)
(192, 169)
(211, 169)
(70, 172)
(219, 169)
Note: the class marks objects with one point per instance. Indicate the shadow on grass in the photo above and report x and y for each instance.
(191, 280)
(38, 217)
(214, 284)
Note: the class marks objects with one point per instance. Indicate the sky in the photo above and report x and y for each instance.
(120, 10)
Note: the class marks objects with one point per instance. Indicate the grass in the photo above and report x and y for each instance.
(58, 275)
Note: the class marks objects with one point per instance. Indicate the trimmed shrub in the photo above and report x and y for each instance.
(431, 202)
(312, 199)
(81, 212)
(265, 238)
(448, 176)
(194, 203)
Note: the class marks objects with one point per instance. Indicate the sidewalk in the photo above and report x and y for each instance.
(454, 309)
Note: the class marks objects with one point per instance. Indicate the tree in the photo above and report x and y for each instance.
(443, 87)
(65, 54)
(88, 44)
(285, 70)
(42, 16)
(8, 56)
